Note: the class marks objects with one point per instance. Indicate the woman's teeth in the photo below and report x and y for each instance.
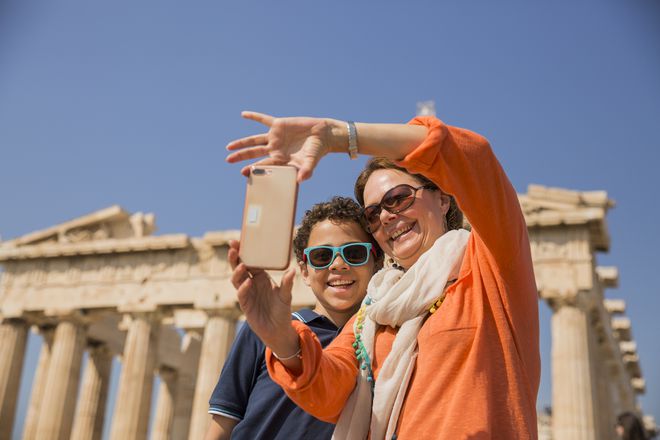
(399, 232)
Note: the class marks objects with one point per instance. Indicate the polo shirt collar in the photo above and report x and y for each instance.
(307, 315)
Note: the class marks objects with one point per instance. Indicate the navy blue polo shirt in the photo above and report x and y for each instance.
(245, 391)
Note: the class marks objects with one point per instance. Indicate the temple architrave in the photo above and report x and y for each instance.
(163, 305)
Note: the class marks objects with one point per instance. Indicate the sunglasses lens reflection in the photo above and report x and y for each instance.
(399, 198)
(320, 257)
(356, 254)
(395, 200)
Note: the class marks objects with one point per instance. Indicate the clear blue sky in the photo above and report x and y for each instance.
(132, 103)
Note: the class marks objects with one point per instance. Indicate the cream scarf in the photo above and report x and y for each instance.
(398, 299)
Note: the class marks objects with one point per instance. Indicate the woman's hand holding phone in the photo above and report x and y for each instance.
(265, 304)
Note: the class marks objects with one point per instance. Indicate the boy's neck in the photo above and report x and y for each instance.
(338, 318)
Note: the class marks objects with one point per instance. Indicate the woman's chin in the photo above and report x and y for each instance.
(407, 245)
(407, 252)
(405, 256)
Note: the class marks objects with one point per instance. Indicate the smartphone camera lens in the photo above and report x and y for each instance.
(258, 171)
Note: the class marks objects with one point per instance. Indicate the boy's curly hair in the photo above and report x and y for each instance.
(339, 209)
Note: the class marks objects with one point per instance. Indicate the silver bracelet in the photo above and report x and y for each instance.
(352, 140)
(296, 354)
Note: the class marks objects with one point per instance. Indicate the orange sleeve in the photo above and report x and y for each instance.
(462, 164)
(328, 376)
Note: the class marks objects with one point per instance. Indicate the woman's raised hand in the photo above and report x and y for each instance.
(299, 141)
(266, 306)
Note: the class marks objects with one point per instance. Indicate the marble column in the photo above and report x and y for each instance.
(13, 335)
(187, 376)
(573, 390)
(131, 416)
(59, 398)
(165, 406)
(38, 384)
(219, 333)
(88, 423)
(603, 407)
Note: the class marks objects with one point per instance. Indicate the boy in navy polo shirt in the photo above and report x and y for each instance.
(337, 258)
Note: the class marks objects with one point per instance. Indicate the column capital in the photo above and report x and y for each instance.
(223, 313)
(128, 317)
(14, 320)
(583, 299)
(78, 317)
(194, 320)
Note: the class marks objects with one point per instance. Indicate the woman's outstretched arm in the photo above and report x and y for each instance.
(303, 141)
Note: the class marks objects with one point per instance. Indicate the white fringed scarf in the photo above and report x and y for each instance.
(398, 299)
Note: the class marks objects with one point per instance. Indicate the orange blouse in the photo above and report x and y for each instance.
(478, 367)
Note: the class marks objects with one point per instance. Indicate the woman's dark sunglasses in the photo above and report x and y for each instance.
(321, 257)
(396, 200)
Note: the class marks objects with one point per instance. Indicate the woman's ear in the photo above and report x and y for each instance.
(445, 201)
(304, 272)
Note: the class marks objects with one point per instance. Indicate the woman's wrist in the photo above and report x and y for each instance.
(338, 136)
(286, 346)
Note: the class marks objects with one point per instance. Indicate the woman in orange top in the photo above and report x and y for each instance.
(445, 345)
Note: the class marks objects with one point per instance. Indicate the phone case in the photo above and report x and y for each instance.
(268, 217)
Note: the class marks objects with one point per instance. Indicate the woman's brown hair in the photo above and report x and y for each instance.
(454, 215)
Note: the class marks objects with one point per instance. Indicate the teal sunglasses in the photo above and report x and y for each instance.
(354, 254)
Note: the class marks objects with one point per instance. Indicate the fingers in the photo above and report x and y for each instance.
(259, 117)
(286, 284)
(250, 141)
(306, 168)
(239, 275)
(266, 161)
(232, 254)
(247, 153)
(243, 291)
(304, 173)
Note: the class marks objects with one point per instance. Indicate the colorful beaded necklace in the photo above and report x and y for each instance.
(360, 350)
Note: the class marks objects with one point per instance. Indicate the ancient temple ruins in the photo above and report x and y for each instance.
(163, 304)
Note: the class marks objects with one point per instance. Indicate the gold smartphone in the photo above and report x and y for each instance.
(268, 217)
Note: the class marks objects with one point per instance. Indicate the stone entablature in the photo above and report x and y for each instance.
(130, 274)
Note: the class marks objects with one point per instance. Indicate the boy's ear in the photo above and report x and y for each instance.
(304, 272)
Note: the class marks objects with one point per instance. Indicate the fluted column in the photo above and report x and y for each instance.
(605, 409)
(38, 384)
(88, 423)
(131, 416)
(219, 333)
(603, 403)
(573, 392)
(13, 334)
(59, 398)
(165, 406)
(187, 375)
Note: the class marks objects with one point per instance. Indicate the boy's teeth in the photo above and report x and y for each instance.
(340, 283)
